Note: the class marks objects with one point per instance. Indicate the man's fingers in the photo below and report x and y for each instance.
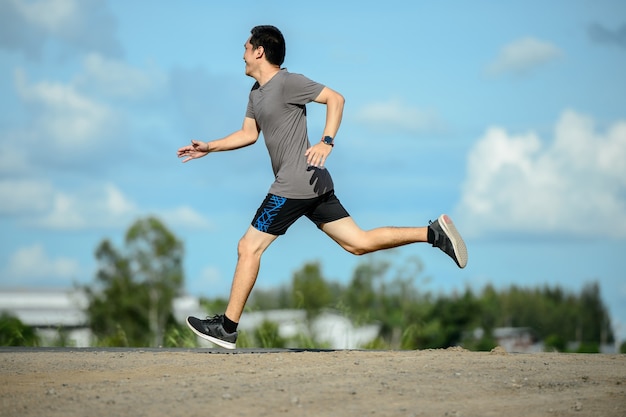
(315, 157)
(316, 160)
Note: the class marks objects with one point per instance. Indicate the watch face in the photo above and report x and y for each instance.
(328, 140)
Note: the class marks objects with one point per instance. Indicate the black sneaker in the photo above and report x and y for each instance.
(212, 329)
(448, 239)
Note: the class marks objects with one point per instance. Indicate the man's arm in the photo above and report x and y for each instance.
(247, 135)
(318, 152)
(334, 110)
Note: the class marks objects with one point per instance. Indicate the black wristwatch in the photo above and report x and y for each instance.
(328, 140)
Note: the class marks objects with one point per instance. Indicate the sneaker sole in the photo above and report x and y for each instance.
(460, 250)
(214, 340)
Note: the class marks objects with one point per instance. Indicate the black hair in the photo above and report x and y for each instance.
(272, 41)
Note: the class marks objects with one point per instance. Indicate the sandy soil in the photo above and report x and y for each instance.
(208, 382)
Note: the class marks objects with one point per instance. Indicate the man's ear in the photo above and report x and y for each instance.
(260, 51)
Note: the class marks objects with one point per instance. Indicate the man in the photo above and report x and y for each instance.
(302, 186)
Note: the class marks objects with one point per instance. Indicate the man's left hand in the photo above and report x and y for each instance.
(316, 155)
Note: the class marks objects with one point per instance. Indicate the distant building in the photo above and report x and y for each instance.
(518, 339)
(512, 339)
(329, 328)
(52, 311)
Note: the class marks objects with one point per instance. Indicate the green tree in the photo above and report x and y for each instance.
(15, 333)
(556, 316)
(310, 291)
(156, 261)
(555, 342)
(594, 319)
(116, 311)
(269, 299)
(455, 315)
(267, 335)
(130, 303)
(385, 292)
(361, 297)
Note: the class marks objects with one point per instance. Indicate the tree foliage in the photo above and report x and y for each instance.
(309, 289)
(15, 333)
(386, 292)
(131, 301)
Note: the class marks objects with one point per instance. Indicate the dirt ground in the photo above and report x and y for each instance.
(211, 382)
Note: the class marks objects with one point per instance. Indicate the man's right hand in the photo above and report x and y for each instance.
(197, 149)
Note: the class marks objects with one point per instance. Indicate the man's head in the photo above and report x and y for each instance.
(272, 41)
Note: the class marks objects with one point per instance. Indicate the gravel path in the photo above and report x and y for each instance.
(208, 382)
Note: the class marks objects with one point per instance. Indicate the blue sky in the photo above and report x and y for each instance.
(509, 116)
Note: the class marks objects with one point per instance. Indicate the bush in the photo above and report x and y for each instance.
(15, 333)
(555, 342)
(588, 347)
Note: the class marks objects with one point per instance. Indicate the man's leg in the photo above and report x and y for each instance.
(441, 234)
(218, 329)
(359, 242)
(250, 248)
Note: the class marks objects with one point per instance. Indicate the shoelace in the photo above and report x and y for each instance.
(215, 319)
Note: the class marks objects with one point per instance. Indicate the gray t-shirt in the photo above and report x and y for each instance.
(279, 109)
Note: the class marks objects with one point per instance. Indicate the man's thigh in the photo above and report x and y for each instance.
(344, 231)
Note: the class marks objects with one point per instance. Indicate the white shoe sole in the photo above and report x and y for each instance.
(460, 250)
(215, 341)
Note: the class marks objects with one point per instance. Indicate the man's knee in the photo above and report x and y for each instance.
(251, 245)
(356, 247)
(349, 236)
(357, 250)
(245, 247)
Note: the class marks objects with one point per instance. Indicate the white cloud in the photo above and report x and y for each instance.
(186, 217)
(523, 55)
(38, 204)
(32, 262)
(30, 25)
(65, 119)
(116, 202)
(115, 78)
(66, 125)
(51, 15)
(396, 115)
(99, 206)
(12, 159)
(575, 185)
(25, 196)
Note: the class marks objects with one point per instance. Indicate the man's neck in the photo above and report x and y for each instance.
(265, 74)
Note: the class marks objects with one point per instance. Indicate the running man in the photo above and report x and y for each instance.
(302, 186)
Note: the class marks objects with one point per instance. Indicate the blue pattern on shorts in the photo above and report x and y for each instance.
(270, 211)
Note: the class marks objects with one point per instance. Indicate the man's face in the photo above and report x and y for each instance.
(249, 56)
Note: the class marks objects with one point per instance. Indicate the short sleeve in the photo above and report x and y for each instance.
(250, 109)
(301, 90)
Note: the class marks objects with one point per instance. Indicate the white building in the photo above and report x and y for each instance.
(51, 311)
(331, 329)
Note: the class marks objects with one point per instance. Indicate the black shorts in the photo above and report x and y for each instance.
(277, 213)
